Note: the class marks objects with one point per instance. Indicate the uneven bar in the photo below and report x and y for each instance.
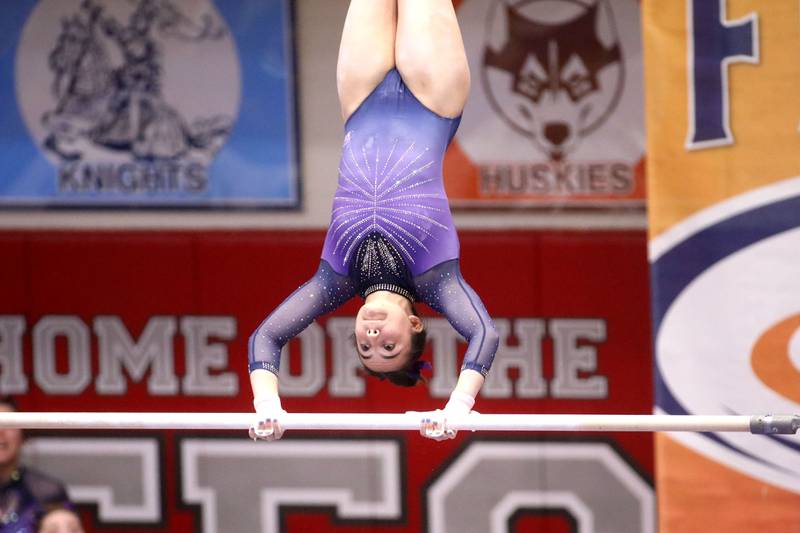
(759, 424)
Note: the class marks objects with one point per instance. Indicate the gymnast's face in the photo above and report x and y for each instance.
(383, 334)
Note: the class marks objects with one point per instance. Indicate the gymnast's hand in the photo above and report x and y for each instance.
(434, 423)
(267, 425)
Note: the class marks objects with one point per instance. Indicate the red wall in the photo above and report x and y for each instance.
(548, 275)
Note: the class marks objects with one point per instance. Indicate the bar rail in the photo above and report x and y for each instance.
(757, 424)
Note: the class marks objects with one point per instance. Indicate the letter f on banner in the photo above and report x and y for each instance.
(714, 43)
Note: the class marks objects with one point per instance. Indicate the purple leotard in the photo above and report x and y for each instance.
(390, 182)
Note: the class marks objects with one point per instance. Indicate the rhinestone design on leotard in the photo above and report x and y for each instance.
(382, 197)
(390, 184)
(377, 266)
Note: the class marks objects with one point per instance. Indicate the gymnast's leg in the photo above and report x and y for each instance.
(430, 55)
(366, 52)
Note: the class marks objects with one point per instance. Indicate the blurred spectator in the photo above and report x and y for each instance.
(25, 493)
(60, 520)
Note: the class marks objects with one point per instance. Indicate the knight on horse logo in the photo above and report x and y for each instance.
(113, 124)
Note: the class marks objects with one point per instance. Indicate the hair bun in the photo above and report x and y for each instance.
(414, 372)
(423, 365)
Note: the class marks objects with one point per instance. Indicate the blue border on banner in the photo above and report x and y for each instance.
(258, 165)
(680, 266)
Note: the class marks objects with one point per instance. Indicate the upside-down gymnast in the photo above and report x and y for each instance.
(403, 80)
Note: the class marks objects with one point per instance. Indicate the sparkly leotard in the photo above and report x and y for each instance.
(390, 180)
(390, 195)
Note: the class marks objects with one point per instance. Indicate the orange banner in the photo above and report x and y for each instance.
(724, 209)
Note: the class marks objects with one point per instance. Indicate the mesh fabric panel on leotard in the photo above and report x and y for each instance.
(323, 293)
(444, 289)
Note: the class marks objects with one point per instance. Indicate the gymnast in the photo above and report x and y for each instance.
(403, 80)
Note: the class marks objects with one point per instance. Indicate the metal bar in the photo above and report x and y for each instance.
(406, 421)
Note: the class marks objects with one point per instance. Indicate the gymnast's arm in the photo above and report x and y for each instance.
(324, 292)
(444, 289)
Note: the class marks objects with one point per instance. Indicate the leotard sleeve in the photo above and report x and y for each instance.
(443, 288)
(324, 292)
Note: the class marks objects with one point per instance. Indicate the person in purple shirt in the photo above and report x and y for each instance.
(403, 81)
(25, 493)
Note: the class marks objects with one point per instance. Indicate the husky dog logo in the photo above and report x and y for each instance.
(112, 124)
(559, 73)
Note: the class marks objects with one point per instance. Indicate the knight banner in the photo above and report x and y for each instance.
(147, 103)
(724, 205)
(555, 113)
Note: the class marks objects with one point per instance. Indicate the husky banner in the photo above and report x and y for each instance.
(555, 115)
(724, 206)
(147, 103)
(160, 322)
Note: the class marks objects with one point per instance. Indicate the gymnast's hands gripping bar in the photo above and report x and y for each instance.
(758, 424)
